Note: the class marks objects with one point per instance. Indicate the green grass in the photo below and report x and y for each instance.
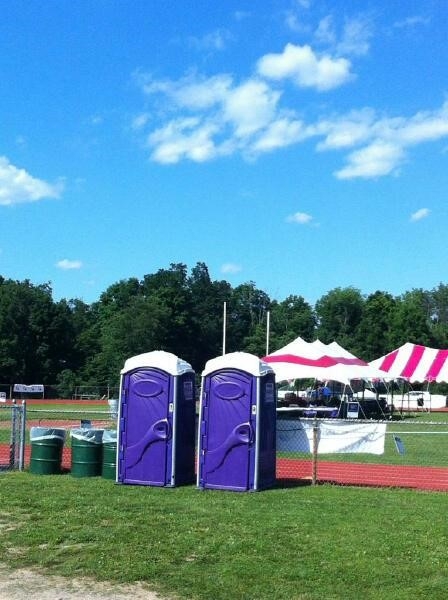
(308, 543)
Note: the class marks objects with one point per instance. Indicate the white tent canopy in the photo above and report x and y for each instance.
(302, 360)
(415, 363)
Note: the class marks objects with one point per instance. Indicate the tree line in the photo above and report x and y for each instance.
(70, 342)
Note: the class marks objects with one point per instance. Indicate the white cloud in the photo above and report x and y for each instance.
(325, 32)
(412, 21)
(345, 131)
(215, 40)
(139, 121)
(68, 265)
(294, 23)
(293, 16)
(420, 214)
(240, 15)
(17, 186)
(387, 140)
(250, 107)
(192, 92)
(356, 36)
(300, 218)
(305, 68)
(378, 159)
(217, 116)
(424, 127)
(231, 268)
(183, 138)
(279, 134)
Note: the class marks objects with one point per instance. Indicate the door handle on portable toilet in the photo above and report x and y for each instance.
(240, 435)
(159, 431)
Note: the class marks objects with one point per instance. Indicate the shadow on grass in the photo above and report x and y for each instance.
(287, 482)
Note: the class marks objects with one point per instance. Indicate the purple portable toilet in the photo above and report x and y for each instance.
(156, 421)
(237, 424)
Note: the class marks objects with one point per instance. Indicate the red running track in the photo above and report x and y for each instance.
(421, 478)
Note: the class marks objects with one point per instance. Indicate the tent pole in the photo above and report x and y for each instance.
(268, 323)
(224, 326)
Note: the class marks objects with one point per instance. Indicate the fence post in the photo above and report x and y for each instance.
(12, 442)
(22, 438)
(315, 447)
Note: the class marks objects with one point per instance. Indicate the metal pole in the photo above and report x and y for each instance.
(315, 446)
(268, 324)
(22, 437)
(224, 326)
(12, 443)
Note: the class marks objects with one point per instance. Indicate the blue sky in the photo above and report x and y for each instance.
(299, 144)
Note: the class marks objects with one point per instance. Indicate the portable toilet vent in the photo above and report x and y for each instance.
(156, 421)
(237, 424)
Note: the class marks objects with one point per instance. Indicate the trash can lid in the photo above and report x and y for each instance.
(46, 433)
(94, 436)
(109, 436)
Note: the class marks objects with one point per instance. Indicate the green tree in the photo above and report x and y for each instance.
(246, 311)
(207, 301)
(85, 326)
(439, 315)
(140, 327)
(291, 318)
(374, 331)
(171, 289)
(339, 313)
(35, 334)
(412, 319)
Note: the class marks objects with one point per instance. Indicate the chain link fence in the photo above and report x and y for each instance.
(12, 436)
(55, 391)
(411, 451)
(16, 422)
(86, 418)
(408, 450)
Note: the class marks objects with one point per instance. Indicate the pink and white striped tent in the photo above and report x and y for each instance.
(302, 360)
(414, 363)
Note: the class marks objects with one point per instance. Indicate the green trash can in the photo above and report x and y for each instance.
(109, 469)
(46, 450)
(87, 452)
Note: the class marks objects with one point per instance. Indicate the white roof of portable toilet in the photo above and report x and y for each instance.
(159, 359)
(243, 361)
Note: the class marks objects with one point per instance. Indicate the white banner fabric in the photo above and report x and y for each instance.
(347, 436)
(26, 389)
(334, 437)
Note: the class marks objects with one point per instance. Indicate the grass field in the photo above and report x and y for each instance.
(304, 543)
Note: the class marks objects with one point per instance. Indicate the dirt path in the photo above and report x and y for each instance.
(21, 584)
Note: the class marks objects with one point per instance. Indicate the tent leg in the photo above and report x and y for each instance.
(315, 446)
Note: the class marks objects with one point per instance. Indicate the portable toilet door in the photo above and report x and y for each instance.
(156, 423)
(236, 441)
